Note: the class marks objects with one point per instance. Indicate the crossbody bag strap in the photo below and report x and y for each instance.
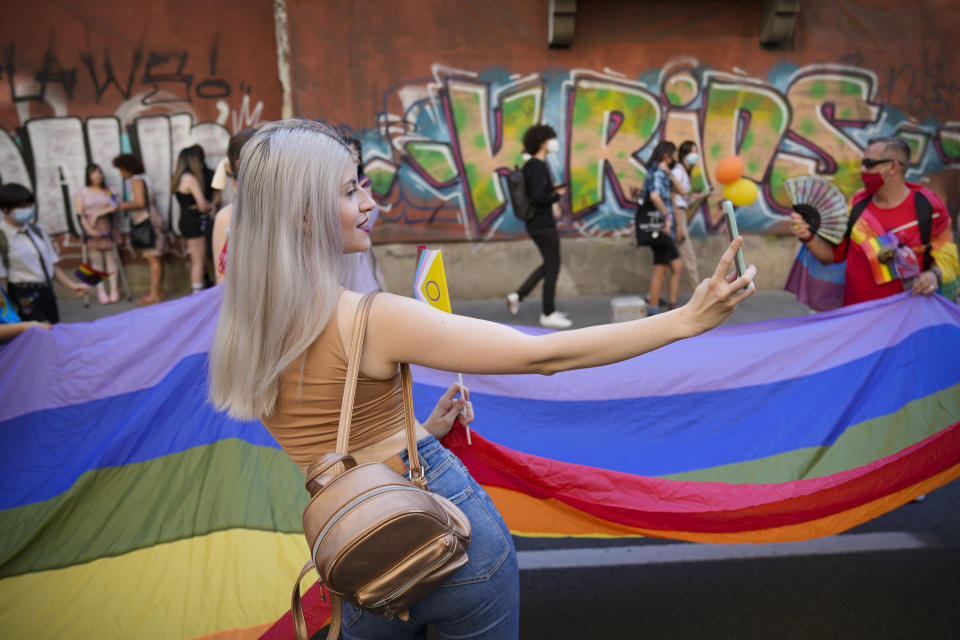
(146, 198)
(43, 264)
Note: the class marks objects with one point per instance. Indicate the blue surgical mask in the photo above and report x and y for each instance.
(25, 215)
(691, 159)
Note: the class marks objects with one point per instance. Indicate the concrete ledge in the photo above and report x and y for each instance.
(589, 266)
(627, 308)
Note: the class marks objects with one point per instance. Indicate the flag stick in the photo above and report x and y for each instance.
(467, 427)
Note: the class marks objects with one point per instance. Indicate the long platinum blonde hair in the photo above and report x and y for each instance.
(284, 263)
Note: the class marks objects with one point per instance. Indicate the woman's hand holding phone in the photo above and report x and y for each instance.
(716, 297)
(733, 232)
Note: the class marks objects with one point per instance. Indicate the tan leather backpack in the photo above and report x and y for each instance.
(377, 540)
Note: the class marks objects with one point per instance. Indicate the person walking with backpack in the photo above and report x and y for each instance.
(29, 261)
(539, 141)
(888, 204)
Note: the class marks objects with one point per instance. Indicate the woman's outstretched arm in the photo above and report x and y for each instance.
(404, 330)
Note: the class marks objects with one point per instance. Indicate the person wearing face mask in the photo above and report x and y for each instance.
(539, 141)
(658, 187)
(888, 203)
(680, 173)
(28, 265)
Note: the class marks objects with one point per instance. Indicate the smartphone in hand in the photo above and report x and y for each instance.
(733, 232)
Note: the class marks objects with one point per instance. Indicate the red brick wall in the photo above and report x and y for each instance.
(81, 81)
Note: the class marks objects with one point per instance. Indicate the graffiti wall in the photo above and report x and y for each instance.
(442, 160)
(81, 83)
(442, 97)
(441, 94)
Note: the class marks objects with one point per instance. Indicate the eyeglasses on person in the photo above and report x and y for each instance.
(870, 163)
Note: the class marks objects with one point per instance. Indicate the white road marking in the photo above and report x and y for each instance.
(689, 552)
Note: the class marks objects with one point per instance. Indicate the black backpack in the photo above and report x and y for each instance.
(648, 222)
(517, 188)
(924, 221)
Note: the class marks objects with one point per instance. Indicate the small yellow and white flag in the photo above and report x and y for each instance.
(430, 281)
(430, 286)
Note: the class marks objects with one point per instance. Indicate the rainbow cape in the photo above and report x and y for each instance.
(130, 508)
(819, 286)
(870, 235)
(7, 312)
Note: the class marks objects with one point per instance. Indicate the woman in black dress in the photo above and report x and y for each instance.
(188, 185)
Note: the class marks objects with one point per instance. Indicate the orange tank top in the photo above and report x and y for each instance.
(306, 416)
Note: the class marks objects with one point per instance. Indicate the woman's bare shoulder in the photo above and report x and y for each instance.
(222, 219)
(187, 180)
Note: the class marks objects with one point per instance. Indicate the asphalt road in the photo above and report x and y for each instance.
(837, 588)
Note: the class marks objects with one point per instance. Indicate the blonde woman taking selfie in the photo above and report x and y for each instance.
(280, 355)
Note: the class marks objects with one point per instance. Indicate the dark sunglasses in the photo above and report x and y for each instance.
(870, 163)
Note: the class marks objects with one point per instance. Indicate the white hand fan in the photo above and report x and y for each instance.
(821, 204)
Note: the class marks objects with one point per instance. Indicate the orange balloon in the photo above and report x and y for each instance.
(729, 170)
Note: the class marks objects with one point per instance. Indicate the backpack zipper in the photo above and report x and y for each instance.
(350, 505)
(399, 591)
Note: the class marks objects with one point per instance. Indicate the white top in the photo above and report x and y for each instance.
(24, 259)
(683, 179)
(219, 181)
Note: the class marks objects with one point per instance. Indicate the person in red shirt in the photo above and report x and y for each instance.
(890, 208)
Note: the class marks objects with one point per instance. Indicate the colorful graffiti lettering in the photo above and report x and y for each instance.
(438, 168)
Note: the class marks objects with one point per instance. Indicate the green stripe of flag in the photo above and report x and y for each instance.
(114, 510)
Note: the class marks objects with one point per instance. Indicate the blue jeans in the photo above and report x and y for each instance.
(482, 599)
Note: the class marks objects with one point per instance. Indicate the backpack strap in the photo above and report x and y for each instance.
(855, 212)
(924, 210)
(350, 389)
(296, 609)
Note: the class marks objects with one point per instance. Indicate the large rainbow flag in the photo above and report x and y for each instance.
(130, 508)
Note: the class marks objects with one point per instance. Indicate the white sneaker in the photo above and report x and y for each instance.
(555, 321)
(513, 303)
